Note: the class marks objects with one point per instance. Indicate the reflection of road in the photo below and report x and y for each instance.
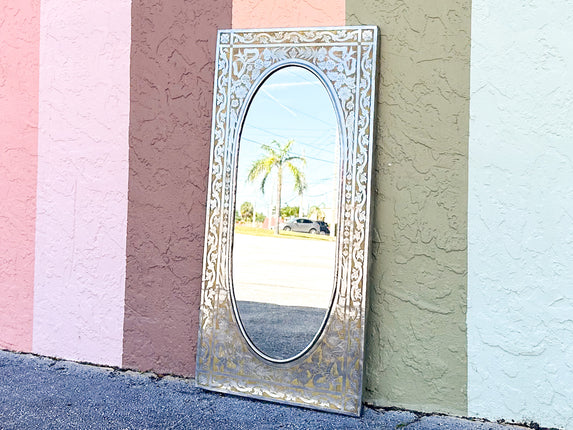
(280, 331)
(284, 271)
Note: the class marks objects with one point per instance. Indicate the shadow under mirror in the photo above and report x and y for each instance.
(286, 209)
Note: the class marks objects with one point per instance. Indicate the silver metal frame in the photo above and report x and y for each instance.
(326, 375)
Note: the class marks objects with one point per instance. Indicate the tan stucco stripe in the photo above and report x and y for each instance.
(294, 13)
(416, 334)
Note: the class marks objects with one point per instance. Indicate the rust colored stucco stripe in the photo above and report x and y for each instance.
(172, 67)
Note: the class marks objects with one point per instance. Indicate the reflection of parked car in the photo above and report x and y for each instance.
(304, 225)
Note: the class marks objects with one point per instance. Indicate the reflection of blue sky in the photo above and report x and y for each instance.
(291, 104)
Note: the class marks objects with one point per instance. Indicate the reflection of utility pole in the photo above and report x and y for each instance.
(335, 191)
(301, 196)
(272, 207)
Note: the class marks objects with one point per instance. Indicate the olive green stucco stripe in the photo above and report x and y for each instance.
(416, 354)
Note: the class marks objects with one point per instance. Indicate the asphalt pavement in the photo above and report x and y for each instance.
(44, 393)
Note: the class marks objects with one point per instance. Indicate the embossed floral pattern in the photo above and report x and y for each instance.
(329, 375)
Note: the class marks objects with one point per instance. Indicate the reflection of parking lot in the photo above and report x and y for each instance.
(280, 331)
(289, 272)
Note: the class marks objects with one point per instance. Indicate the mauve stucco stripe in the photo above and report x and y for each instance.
(295, 13)
(172, 66)
(19, 59)
(82, 179)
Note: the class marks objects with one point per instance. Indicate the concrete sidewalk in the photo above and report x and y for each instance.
(42, 393)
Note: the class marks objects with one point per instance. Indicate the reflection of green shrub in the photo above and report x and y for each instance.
(289, 212)
(247, 211)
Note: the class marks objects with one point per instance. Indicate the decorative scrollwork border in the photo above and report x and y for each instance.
(329, 375)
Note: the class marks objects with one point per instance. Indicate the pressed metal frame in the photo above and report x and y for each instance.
(326, 375)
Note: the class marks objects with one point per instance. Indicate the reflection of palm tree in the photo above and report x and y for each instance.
(316, 212)
(278, 158)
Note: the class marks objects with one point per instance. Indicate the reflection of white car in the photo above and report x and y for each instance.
(305, 225)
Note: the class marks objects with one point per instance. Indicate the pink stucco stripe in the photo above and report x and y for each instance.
(294, 13)
(82, 179)
(19, 58)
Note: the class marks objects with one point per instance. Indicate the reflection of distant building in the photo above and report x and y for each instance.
(330, 219)
(322, 213)
(270, 222)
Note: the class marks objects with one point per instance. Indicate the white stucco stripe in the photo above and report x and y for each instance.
(82, 179)
(520, 218)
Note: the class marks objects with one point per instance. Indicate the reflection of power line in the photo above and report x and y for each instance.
(292, 109)
(298, 129)
(307, 130)
(285, 107)
(307, 195)
(319, 148)
(313, 158)
(294, 153)
(293, 200)
(323, 180)
(319, 194)
(289, 201)
(319, 139)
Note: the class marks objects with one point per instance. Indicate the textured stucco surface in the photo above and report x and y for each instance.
(294, 13)
(82, 179)
(416, 333)
(173, 51)
(520, 259)
(19, 63)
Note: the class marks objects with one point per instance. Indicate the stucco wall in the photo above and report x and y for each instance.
(520, 301)
(172, 67)
(64, 119)
(416, 333)
(19, 63)
(82, 179)
(294, 13)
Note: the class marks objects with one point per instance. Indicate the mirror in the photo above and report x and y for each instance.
(282, 305)
(283, 266)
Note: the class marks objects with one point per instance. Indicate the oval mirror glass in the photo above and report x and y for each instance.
(285, 218)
